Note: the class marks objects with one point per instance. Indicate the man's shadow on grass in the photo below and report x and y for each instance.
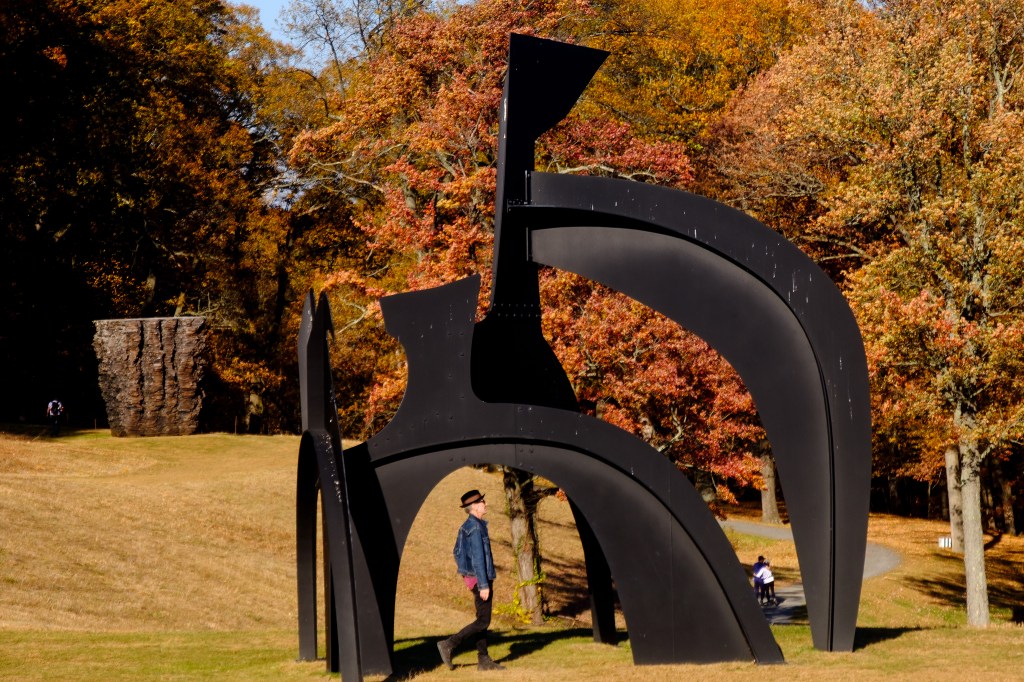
(865, 637)
(417, 656)
(951, 587)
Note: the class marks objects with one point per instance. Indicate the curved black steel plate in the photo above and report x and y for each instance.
(775, 316)
(676, 567)
(439, 414)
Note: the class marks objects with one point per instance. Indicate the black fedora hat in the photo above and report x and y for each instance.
(472, 497)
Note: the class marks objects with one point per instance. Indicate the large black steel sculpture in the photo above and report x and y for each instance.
(492, 392)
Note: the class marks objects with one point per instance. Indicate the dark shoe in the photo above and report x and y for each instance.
(444, 648)
(486, 663)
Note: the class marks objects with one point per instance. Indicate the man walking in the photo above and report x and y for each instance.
(475, 565)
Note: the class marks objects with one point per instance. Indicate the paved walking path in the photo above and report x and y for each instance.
(792, 606)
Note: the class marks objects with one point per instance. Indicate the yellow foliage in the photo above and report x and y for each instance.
(674, 64)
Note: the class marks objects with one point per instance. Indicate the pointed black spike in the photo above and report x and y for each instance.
(545, 79)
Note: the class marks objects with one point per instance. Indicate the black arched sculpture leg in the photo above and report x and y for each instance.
(600, 590)
(684, 596)
(439, 411)
(357, 640)
(776, 317)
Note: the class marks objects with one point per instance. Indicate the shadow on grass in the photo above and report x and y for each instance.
(951, 589)
(565, 589)
(38, 431)
(29, 431)
(866, 637)
(565, 586)
(416, 656)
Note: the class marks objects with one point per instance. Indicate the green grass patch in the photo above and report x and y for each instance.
(255, 655)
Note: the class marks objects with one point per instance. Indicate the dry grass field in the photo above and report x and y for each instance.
(173, 559)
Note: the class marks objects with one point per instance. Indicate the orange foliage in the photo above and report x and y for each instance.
(675, 64)
(636, 369)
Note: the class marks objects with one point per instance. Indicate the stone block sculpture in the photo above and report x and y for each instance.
(492, 392)
(150, 374)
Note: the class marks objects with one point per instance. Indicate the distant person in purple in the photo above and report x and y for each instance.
(757, 568)
(476, 566)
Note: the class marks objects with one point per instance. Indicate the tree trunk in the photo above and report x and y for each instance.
(988, 507)
(956, 508)
(934, 505)
(522, 499)
(704, 482)
(974, 541)
(944, 503)
(895, 501)
(769, 503)
(1006, 490)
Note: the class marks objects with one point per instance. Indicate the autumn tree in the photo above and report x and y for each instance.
(674, 65)
(895, 134)
(298, 234)
(342, 30)
(140, 165)
(636, 369)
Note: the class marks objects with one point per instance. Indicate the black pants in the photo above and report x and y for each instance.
(477, 630)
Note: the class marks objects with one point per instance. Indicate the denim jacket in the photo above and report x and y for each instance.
(473, 552)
